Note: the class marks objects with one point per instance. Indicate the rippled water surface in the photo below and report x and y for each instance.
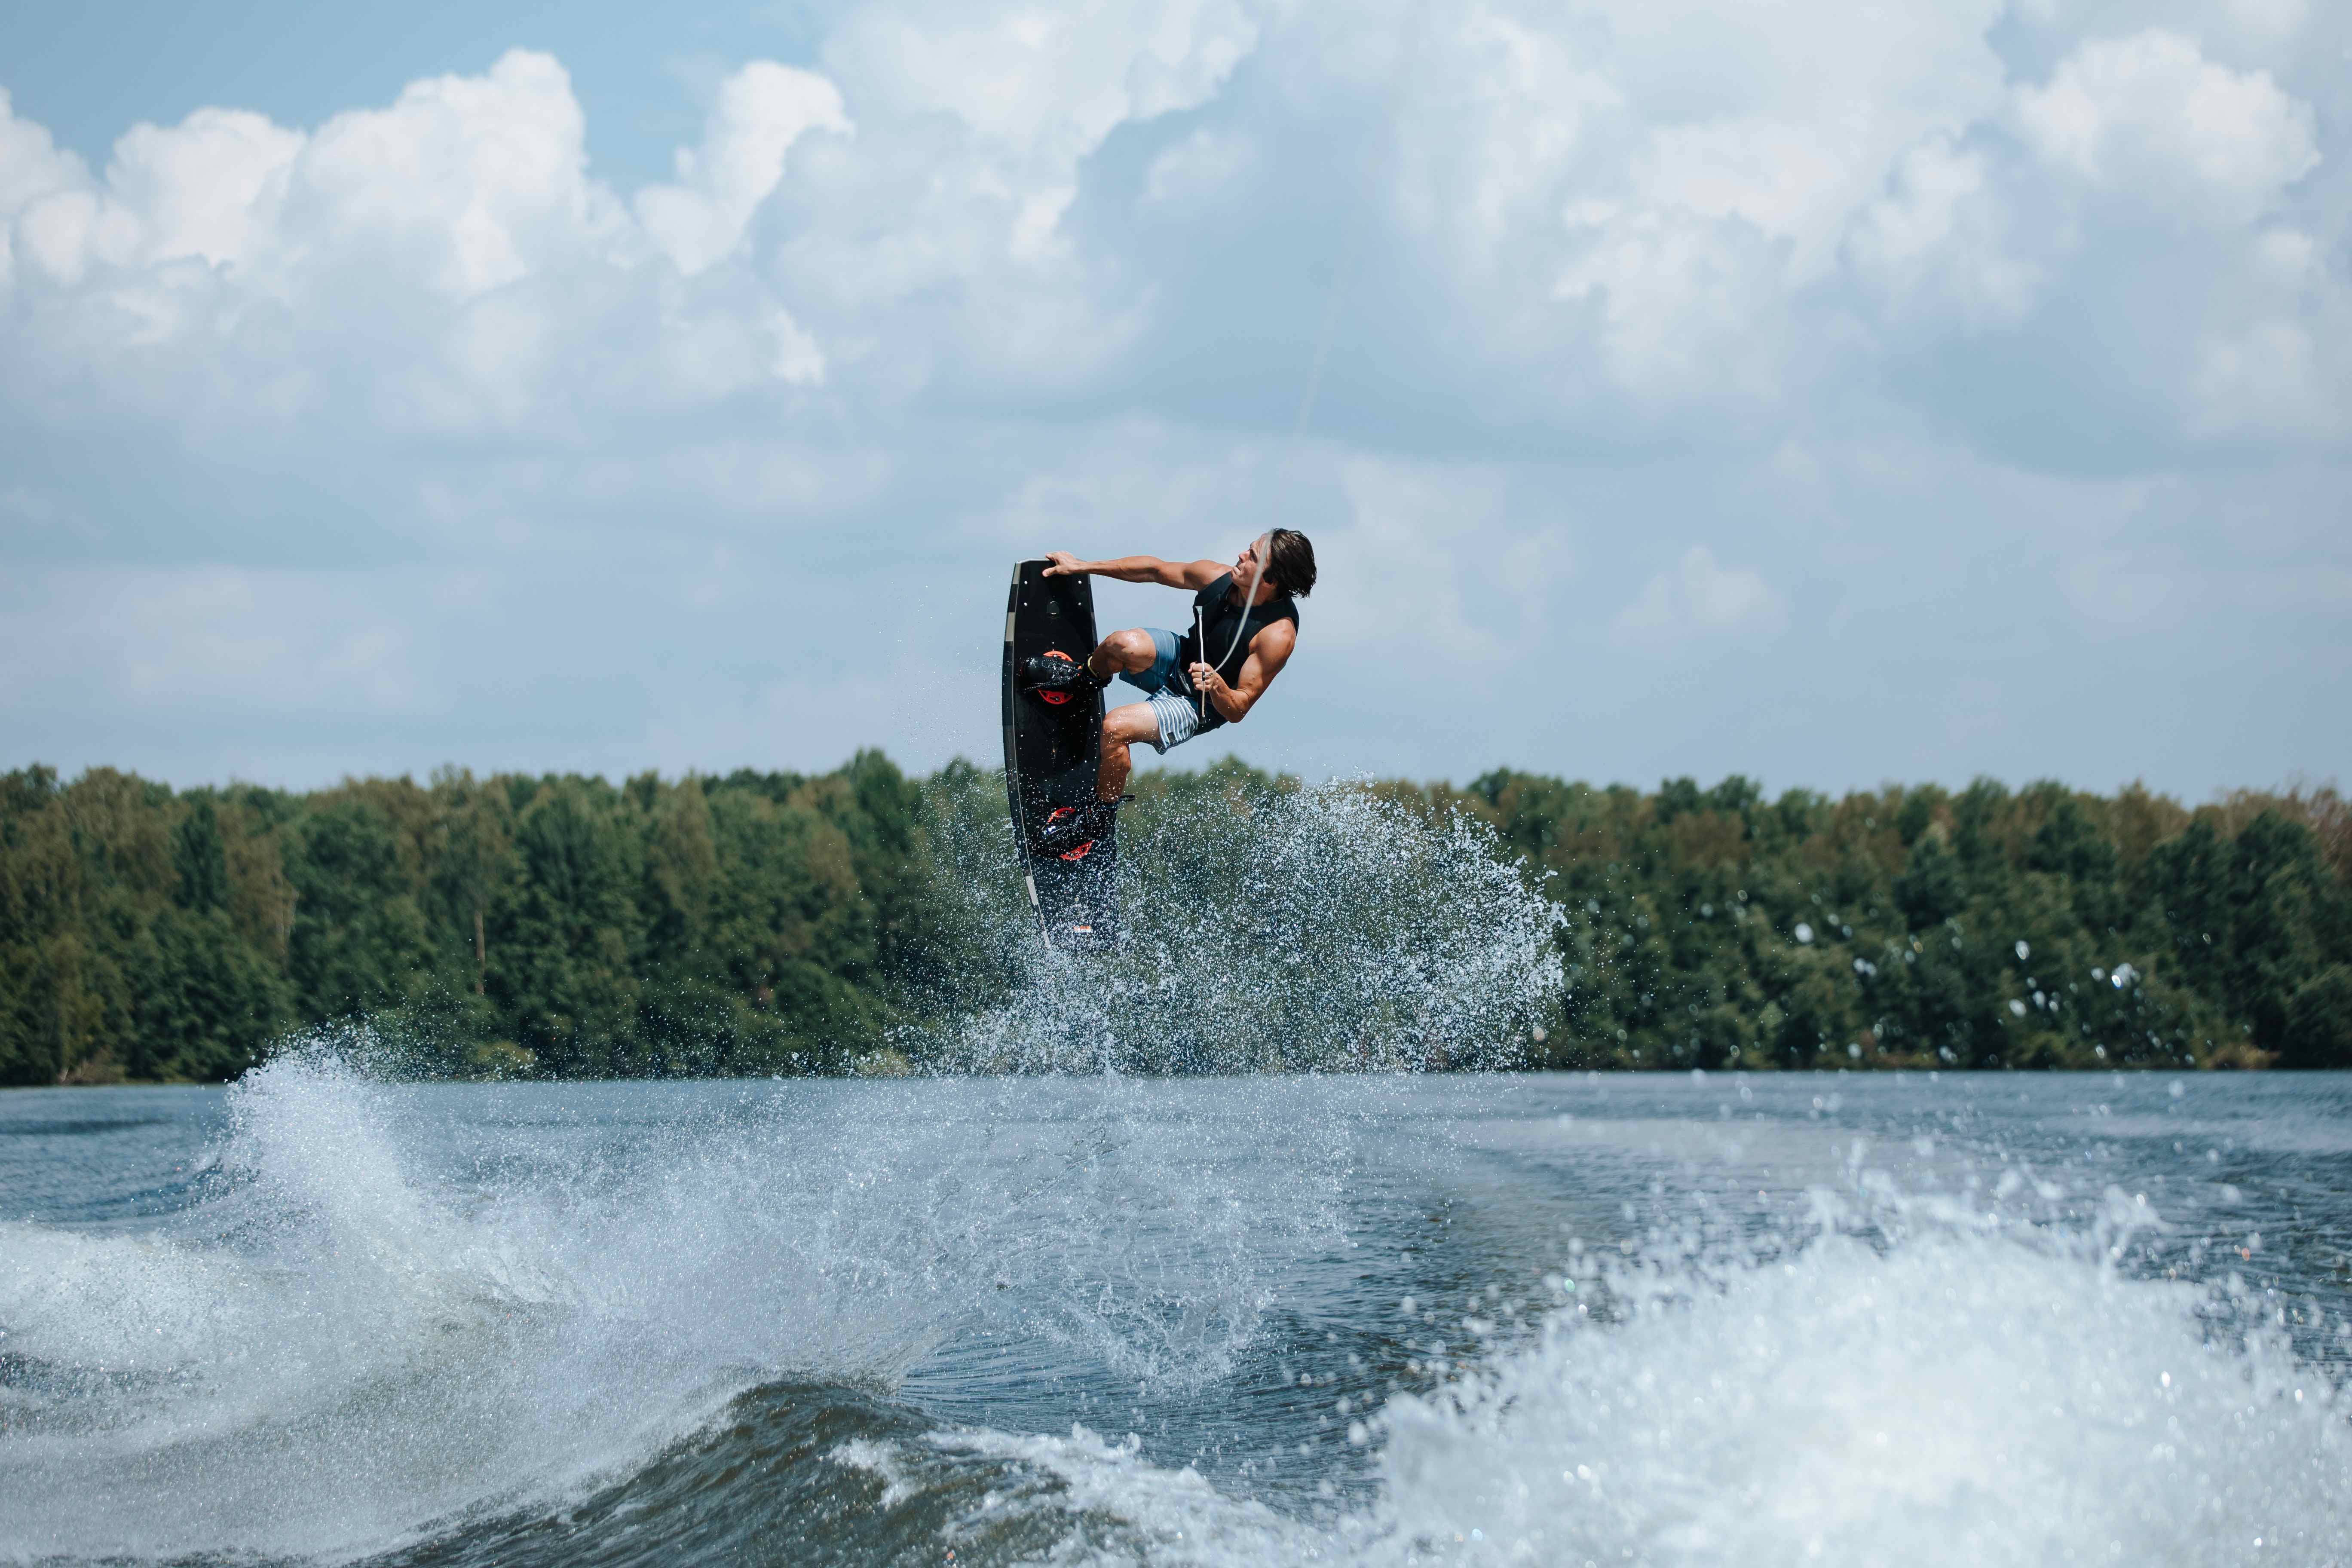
(1242, 1319)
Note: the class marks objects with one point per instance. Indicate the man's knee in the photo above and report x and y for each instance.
(1132, 648)
(1133, 724)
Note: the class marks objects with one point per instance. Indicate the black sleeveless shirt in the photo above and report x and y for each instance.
(1219, 619)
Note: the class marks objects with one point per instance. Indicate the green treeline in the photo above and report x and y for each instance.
(2045, 928)
(758, 923)
(777, 923)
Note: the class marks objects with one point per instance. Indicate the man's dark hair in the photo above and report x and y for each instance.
(1290, 561)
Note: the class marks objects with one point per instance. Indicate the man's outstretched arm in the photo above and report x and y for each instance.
(1138, 569)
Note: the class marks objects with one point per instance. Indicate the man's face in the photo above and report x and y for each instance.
(1245, 569)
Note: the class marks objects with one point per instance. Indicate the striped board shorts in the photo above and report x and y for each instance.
(1172, 702)
(1179, 720)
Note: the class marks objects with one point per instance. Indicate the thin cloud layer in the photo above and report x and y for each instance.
(1812, 392)
(1699, 597)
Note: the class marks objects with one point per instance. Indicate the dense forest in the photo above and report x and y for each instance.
(775, 923)
(2044, 928)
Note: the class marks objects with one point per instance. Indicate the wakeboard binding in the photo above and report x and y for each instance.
(1056, 677)
(1068, 832)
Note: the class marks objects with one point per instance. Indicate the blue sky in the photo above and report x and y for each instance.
(1953, 388)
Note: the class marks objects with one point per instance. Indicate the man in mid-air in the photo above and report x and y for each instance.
(1212, 673)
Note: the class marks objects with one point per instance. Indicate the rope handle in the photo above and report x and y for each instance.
(1201, 647)
(1257, 575)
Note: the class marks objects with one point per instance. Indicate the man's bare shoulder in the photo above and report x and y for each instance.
(1274, 643)
(1199, 574)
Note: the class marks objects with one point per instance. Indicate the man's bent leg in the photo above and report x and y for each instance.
(1123, 652)
(1134, 725)
(1128, 653)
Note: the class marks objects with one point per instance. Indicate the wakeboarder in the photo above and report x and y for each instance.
(1245, 628)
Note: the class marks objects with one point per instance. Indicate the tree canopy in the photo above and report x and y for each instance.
(763, 922)
(1919, 927)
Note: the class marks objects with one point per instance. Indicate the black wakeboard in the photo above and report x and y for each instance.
(1053, 750)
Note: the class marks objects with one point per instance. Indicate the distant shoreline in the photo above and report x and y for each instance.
(760, 924)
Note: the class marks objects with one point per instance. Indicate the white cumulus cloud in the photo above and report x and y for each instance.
(2150, 117)
(1882, 303)
(761, 110)
(1039, 81)
(1945, 240)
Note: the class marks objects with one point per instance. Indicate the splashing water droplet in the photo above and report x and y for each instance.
(1382, 937)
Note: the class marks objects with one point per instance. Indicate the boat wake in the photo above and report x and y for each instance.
(850, 1323)
(396, 1305)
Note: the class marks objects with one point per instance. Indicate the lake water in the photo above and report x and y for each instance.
(1246, 1320)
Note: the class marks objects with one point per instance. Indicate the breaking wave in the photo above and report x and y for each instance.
(397, 1307)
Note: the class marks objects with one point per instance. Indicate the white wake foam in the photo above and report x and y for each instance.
(393, 1311)
(1960, 1399)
